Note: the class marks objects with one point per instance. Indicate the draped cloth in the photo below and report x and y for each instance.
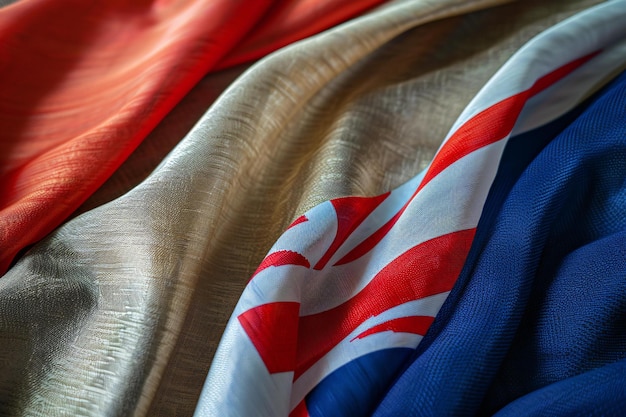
(83, 84)
(120, 310)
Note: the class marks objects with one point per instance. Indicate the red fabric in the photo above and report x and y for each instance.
(289, 21)
(351, 211)
(83, 82)
(273, 329)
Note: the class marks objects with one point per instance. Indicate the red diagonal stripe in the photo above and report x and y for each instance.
(429, 268)
(351, 211)
(282, 257)
(273, 329)
(493, 123)
(297, 221)
(371, 241)
(412, 324)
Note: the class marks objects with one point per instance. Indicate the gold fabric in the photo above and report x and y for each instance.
(120, 310)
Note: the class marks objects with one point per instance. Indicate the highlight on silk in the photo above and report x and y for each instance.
(313, 208)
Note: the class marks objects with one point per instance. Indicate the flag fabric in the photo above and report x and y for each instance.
(119, 311)
(541, 333)
(532, 179)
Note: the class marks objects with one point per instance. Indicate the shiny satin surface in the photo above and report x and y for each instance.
(119, 311)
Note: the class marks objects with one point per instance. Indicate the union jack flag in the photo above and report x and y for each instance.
(345, 296)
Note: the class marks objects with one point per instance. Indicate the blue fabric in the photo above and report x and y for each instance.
(536, 324)
(348, 390)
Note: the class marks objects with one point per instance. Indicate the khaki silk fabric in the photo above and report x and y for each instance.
(119, 311)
